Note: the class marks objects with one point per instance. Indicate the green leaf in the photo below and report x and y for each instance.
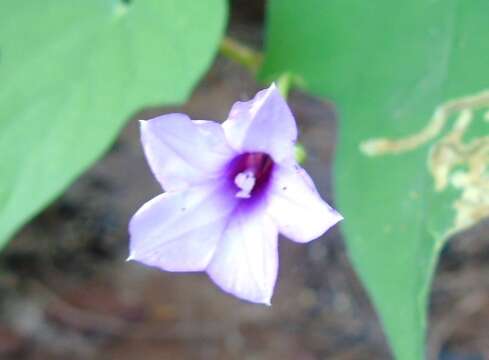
(72, 72)
(389, 66)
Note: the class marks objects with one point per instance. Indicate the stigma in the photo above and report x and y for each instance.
(245, 181)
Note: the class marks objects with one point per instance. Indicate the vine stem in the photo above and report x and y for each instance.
(252, 61)
(242, 54)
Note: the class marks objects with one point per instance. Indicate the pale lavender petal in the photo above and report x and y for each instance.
(245, 263)
(296, 207)
(264, 124)
(180, 231)
(182, 152)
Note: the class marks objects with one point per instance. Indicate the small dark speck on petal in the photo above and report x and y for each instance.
(284, 188)
(183, 209)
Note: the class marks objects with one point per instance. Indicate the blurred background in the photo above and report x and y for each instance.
(67, 292)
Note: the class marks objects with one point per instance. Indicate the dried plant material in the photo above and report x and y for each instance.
(451, 161)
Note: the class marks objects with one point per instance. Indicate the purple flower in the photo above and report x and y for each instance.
(230, 189)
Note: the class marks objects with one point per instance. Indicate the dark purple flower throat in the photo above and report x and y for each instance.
(250, 173)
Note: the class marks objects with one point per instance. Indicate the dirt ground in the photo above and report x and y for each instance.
(67, 292)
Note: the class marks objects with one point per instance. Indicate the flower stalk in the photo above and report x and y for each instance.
(284, 83)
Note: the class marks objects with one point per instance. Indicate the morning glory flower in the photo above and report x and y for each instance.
(230, 189)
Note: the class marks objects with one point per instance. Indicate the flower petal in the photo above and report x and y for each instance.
(295, 205)
(180, 231)
(245, 263)
(182, 152)
(264, 124)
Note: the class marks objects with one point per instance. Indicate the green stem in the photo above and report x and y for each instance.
(242, 54)
(284, 83)
(300, 153)
(252, 60)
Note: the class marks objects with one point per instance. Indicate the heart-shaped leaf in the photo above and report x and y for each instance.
(415, 75)
(72, 72)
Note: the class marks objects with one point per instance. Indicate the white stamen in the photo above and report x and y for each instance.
(245, 181)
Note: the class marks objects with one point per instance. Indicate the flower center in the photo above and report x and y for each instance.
(251, 173)
(245, 181)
